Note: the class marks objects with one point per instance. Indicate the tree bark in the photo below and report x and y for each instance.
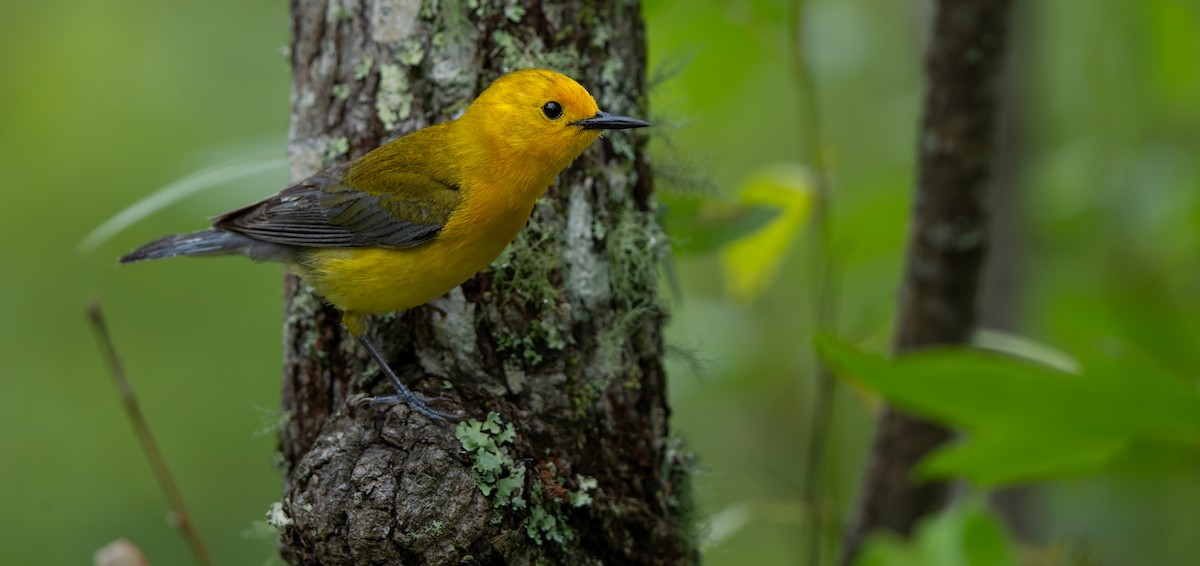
(560, 338)
(947, 239)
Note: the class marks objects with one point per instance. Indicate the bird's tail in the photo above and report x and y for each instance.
(204, 242)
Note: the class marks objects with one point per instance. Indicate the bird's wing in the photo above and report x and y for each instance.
(405, 210)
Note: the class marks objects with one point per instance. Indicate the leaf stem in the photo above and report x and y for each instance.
(165, 480)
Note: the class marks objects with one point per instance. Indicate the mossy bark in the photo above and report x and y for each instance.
(560, 338)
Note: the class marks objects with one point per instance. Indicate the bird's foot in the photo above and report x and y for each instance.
(414, 402)
(403, 394)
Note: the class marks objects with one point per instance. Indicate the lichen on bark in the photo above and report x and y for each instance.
(560, 338)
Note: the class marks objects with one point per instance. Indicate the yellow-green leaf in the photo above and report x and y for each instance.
(700, 225)
(749, 263)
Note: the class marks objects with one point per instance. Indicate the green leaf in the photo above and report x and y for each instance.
(698, 225)
(1027, 421)
(1016, 455)
(1172, 36)
(965, 535)
(749, 263)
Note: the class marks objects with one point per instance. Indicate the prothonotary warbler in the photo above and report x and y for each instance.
(418, 216)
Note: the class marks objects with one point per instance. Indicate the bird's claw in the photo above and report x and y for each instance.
(415, 403)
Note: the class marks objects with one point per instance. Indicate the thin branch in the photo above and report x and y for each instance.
(826, 290)
(165, 480)
(947, 241)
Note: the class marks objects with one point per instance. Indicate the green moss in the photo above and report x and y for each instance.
(393, 101)
(336, 148)
(681, 468)
(690, 358)
(523, 276)
(514, 54)
(342, 14)
(496, 474)
(277, 517)
(525, 344)
(514, 12)
(601, 33)
(410, 52)
(543, 525)
(453, 21)
(611, 342)
(433, 529)
(636, 246)
(546, 332)
(547, 519)
(621, 145)
(304, 307)
(502, 480)
(587, 393)
(340, 91)
(429, 8)
(439, 40)
(363, 68)
(522, 268)
(612, 71)
(583, 497)
(565, 61)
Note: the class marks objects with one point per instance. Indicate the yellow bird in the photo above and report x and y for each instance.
(418, 216)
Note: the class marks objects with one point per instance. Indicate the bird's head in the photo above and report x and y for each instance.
(541, 116)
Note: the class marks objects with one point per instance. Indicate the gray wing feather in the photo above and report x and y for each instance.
(322, 212)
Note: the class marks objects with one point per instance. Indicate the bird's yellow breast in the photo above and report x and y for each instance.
(372, 280)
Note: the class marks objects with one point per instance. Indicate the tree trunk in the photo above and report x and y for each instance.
(947, 239)
(560, 339)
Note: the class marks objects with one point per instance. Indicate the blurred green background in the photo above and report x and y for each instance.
(104, 102)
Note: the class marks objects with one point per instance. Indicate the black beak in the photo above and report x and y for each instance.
(606, 121)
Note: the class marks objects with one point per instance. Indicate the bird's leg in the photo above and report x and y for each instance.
(355, 322)
(403, 394)
(435, 308)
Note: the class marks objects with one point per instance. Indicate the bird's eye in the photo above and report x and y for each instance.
(552, 110)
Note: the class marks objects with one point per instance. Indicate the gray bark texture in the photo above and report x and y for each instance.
(560, 339)
(947, 240)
